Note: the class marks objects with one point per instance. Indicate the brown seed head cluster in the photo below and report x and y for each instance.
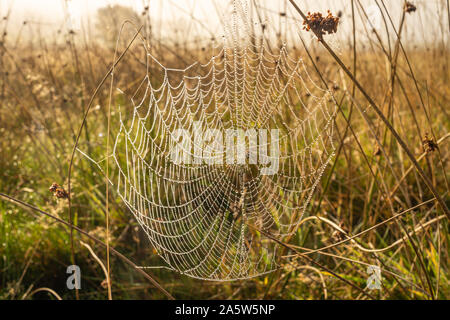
(338, 235)
(321, 25)
(428, 144)
(409, 7)
(58, 191)
(377, 151)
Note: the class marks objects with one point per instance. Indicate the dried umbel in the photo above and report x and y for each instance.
(428, 144)
(339, 235)
(377, 151)
(58, 191)
(321, 25)
(409, 7)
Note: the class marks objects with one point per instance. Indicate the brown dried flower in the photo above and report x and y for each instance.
(53, 187)
(104, 284)
(428, 144)
(409, 7)
(377, 152)
(321, 25)
(338, 235)
(58, 191)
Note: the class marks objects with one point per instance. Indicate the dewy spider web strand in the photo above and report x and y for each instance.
(196, 213)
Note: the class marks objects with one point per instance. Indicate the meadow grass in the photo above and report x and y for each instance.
(44, 91)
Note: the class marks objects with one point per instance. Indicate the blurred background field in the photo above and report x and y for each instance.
(55, 53)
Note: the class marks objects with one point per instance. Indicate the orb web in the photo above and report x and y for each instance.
(200, 215)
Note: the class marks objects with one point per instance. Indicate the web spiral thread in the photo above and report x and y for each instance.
(198, 215)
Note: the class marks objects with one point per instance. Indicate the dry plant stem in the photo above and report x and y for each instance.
(384, 270)
(440, 141)
(309, 251)
(351, 104)
(348, 127)
(439, 262)
(418, 91)
(43, 289)
(76, 66)
(69, 189)
(395, 74)
(108, 271)
(383, 118)
(448, 14)
(17, 285)
(343, 113)
(418, 252)
(361, 8)
(81, 231)
(311, 260)
(96, 259)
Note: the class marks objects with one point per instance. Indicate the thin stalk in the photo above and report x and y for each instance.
(83, 123)
(100, 242)
(381, 116)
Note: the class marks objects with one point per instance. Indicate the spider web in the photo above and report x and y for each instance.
(198, 215)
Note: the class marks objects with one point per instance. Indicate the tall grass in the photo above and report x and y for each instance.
(378, 203)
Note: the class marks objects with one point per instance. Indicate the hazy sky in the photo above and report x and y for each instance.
(167, 13)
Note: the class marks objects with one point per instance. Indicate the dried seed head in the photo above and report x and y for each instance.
(321, 25)
(338, 235)
(428, 144)
(409, 7)
(61, 194)
(104, 284)
(377, 152)
(58, 191)
(53, 187)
